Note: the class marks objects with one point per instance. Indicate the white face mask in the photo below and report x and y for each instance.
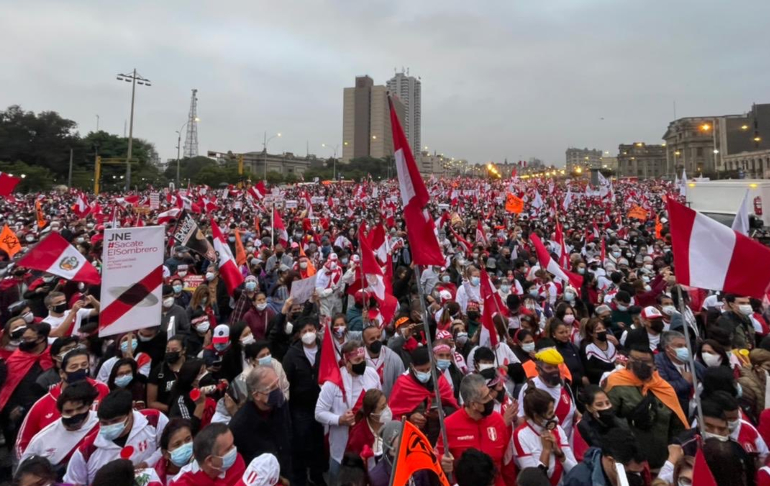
(745, 309)
(528, 347)
(668, 310)
(262, 306)
(568, 319)
(167, 303)
(711, 360)
(202, 327)
(308, 338)
(486, 366)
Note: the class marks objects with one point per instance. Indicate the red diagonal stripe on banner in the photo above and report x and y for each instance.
(128, 299)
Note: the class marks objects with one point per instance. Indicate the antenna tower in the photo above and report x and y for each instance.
(191, 139)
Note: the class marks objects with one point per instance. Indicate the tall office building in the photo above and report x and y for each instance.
(408, 89)
(366, 127)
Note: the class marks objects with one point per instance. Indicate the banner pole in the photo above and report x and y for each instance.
(691, 360)
(429, 344)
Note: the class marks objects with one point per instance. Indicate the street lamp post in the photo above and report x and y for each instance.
(132, 78)
(264, 147)
(334, 163)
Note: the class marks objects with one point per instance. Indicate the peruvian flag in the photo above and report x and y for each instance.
(481, 237)
(375, 278)
(711, 256)
(127, 201)
(379, 243)
(567, 200)
(7, 184)
(563, 256)
(414, 196)
(549, 264)
(167, 216)
(228, 269)
(488, 331)
(701, 474)
(257, 191)
(80, 208)
(280, 228)
(328, 369)
(54, 255)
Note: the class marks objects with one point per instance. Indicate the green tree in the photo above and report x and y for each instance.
(274, 177)
(290, 178)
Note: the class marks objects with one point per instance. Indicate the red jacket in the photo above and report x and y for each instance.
(194, 476)
(490, 435)
(359, 436)
(44, 412)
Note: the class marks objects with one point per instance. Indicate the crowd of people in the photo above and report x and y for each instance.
(585, 381)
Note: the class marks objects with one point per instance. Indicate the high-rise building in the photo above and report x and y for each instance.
(408, 89)
(366, 130)
(583, 158)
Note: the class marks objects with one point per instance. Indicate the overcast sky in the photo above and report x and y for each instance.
(509, 78)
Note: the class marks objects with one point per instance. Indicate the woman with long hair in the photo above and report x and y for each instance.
(598, 353)
(196, 407)
(373, 414)
(203, 300)
(125, 374)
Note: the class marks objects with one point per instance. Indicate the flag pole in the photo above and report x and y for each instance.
(395, 456)
(429, 344)
(272, 228)
(691, 359)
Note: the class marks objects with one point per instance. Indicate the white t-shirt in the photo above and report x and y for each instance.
(55, 322)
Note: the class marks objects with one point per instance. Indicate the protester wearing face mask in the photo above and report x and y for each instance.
(673, 364)
(470, 290)
(371, 417)
(245, 301)
(176, 445)
(219, 294)
(542, 442)
(338, 412)
(414, 395)
(301, 364)
(636, 390)
(182, 297)
(217, 461)
(711, 354)
(549, 379)
(621, 317)
(523, 345)
(74, 368)
(599, 466)
(476, 425)
(445, 365)
(12, 332)
(599, 417)
(119, 427)
(59, 348)
(263, 425)
(196, 406)
(259, 316)
(258, 354)
(382, 359)
(125, 348)
(65, 322)
(560, 332)
(202, 300)
(599, 353)
(58, 441)
(174, 319)
(736, 319)
(648, 333)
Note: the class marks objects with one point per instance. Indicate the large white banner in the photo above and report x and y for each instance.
(132, 278)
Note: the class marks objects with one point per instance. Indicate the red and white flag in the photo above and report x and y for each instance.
(80, 208)
(7, 184)
(548, 263)
(379, 243)
(56, 256)
(487, 292)
(563, 256)
(375, 279)
(329, 369)
(258, 190)
(709, 255)
(228, 269)
(567, 200)
(481, 236)
(419, 224)
(167, 216)
(280, 229)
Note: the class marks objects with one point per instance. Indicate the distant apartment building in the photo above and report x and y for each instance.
(408, 90)
(641, 160)
(366, 129)
(583, 158)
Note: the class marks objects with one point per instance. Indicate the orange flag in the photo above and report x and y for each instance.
(9, 242)
(256, 225)
(514, 204)
(240, 253)
(40, 217)
(415, 454)
(310, 267)
(658, 228)
(637, 212)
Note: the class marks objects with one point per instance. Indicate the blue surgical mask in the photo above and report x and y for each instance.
(475, 281)
(682, 354)
(446, 278)
(123, 381)
(533, 292)
(182, 454)
(250, 286)
(124, 345)
(221, 346)
(622, 308)
(229, 459)
(443, 364)
(177, 289)
(422, 376)
(265, 360)
(112, 432)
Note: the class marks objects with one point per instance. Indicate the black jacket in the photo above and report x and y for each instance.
(572, 359)
(637, 337)
(256, 432)
(303, 378)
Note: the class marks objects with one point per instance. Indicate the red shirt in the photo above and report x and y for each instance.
(490, 435)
